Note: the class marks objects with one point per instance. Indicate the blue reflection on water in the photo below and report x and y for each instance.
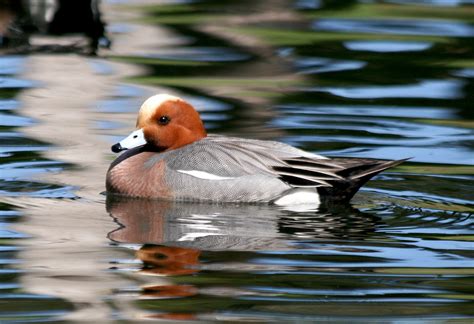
(25, 170)
(448, 3)
(308, 4)
(433, 89)
(101, 67)
(119, 105)
(396, 27)
(408, 255)
(345, 292)
(385, 46)
(128, 90)
(443, 154)
(315, 65)
(366, 111)
(13, 83)
(66, 192)
(207, 104)
(8, 104)
(465, 73)
(409, 194)
(201, 54)
(11, 64)
(14, 120)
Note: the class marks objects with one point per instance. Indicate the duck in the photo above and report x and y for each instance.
(170, 156)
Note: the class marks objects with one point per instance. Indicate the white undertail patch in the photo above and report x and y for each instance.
(299, 197)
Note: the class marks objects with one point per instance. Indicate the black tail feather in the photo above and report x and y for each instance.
(356, 173)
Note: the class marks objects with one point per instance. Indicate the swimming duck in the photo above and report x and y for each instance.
(170, 156)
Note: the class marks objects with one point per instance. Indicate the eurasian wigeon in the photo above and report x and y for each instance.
(170, 156)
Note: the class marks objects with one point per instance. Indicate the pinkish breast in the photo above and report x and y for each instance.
(135, 178)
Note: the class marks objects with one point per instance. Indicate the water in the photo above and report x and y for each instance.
(381, 79)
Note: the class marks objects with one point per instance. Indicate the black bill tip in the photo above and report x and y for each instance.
(117, 148)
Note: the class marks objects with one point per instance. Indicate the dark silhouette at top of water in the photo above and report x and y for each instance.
(21, 20)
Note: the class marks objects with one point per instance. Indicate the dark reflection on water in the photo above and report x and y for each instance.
(22, 21)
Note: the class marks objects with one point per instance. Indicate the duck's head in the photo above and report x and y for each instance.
(164, 122)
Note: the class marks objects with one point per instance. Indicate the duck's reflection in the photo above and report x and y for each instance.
(211, 227)
(168, 260)
(173, 237)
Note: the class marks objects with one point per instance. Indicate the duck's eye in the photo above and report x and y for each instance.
(164, 120)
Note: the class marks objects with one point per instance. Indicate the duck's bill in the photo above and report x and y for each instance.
(135, 139)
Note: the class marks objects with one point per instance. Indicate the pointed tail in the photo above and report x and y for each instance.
(355, 174)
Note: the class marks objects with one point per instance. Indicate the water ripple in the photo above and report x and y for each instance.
(314, 65)
(368, 111)
(201, 54)
(447, 3)
(429, 89)
(14, 83)
(396, 27)
(11, 64)
(384, 46)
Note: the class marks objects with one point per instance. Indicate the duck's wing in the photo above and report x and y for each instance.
(220, 171)
(228, 157)
(349, 169)
(234, 157)
(221, 158)
(277, 149)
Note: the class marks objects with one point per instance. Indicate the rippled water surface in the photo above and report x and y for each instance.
(380, 79)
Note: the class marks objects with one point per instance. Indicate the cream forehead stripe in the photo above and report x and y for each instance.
(148, 108)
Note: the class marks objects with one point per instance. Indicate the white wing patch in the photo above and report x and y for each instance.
(313, 156)
(204, 175)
